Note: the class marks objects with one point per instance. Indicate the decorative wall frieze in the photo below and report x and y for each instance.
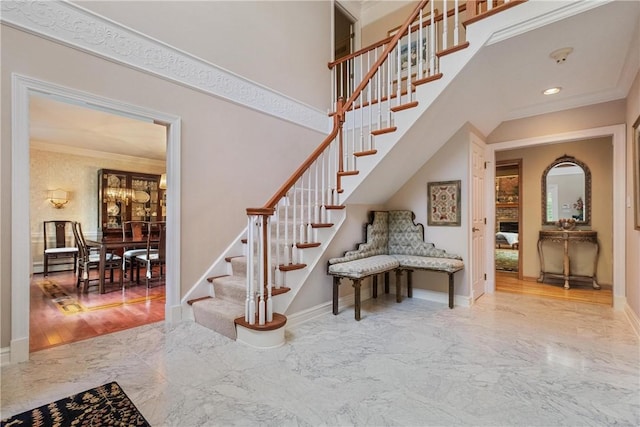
(79, 28)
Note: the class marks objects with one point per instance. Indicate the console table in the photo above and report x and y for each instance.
(568, 255)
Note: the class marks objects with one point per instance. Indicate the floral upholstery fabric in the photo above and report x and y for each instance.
(393, 240)
(377, 240)
(407, 237)
(364, 267)
(449, 265)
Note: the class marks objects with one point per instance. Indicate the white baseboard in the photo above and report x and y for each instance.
(5, 356)
(633, 319)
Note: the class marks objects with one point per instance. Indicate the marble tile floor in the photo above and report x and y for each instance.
(510, 360)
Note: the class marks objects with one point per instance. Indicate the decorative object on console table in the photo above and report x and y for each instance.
(636, 171)
(443, 203)
(126, 196)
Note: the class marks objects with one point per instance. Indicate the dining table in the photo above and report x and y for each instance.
(105, 245)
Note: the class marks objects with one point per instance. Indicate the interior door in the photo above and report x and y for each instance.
(478, 277)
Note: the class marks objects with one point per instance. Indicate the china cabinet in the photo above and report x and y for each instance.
(127, 196)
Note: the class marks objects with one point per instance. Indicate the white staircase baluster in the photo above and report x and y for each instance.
(444, 25)
(294, 226)
(261, 267)
(420, 47)
(269, 308)
(456, 24)
(432, 42)
(309, 236)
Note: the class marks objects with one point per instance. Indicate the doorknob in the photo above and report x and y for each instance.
(475, 229)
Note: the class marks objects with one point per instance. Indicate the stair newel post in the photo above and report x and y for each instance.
(287, 243)
(278, 278)
(294, 226)
(260, 266)
(323, 201)
(309, 209)
(268, 269)
(250, 305)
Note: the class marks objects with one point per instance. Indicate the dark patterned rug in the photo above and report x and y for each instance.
(106, 405)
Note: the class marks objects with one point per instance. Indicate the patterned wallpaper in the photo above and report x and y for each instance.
(77, 175)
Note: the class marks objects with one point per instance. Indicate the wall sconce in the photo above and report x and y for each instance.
(58, 197)
(163, 182)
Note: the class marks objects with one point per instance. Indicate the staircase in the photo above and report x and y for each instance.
(379, 94)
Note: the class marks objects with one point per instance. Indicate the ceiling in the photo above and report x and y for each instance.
(604, 61)
(55, 124)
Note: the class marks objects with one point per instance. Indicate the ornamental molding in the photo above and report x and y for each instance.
(82, 29)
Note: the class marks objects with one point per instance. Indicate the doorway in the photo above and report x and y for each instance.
(69, 144)
(508, 231)
(21, 259)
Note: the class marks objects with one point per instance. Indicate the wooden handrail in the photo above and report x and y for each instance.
(338, 119)
(414, 27)
(383, 56)
(270, 206)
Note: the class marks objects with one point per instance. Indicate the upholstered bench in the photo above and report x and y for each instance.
(393, 243)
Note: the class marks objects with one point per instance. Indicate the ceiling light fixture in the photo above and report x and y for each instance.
(552, 90)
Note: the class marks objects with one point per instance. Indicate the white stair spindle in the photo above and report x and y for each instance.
(260, 265)
(294, 226)
(432, 42)
(420, 45)
(444, 25)
(456, 24)
(398, 77)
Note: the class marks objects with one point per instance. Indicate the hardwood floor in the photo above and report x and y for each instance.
(61, 314)
(508, 282)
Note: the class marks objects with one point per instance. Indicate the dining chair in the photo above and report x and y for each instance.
(59, 244)
(156, 250)
(89, 259)
(134, 230)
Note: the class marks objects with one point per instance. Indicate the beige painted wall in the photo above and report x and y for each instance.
(379, 29)
(275, 43)
(77, 174)
(632, 263)
(597, 154)
(217, 136)
(450, 163)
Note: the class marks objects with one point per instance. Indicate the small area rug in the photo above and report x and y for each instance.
(507, 259)
(106, 405)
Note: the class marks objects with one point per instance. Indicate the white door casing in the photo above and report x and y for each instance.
(478, 227)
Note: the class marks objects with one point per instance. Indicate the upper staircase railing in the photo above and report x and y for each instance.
(369, 85)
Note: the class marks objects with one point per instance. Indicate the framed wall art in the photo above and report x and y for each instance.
(443, 203)
(636, 172)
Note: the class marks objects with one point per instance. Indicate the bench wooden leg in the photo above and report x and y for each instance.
(336, 285)
(356, 287)
(398, 285)
(374, 286)
(450, 290)
(386, 282)
(410, 283)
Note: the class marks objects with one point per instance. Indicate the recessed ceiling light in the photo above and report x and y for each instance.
(552, 90)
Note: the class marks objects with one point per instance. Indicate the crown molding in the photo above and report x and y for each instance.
(82, 29)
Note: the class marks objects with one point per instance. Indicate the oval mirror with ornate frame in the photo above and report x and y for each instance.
(566, 191)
